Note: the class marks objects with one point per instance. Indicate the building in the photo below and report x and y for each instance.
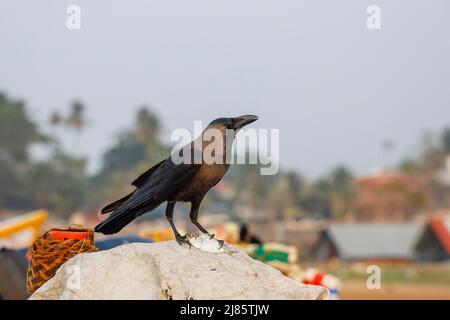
(443, 176)
(434, 243)
(364, 242)
(389, 196)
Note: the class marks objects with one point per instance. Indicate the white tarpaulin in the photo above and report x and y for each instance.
(167, 270)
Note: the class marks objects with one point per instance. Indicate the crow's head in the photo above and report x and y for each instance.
(233, 123)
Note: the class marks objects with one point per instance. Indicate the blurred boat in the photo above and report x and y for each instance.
(20, 231)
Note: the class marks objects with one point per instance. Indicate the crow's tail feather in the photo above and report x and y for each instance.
(110, 226)
(123, 216)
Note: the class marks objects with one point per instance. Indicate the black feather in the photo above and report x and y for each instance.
(167, 179)
(139, 181)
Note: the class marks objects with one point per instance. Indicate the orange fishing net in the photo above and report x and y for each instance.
(52, 249)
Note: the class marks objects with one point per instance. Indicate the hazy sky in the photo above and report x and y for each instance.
(310, 68)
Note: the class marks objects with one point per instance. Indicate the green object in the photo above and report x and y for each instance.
(271, 255)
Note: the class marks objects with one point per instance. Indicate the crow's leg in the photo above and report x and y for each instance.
(169, 215)
(195, 205)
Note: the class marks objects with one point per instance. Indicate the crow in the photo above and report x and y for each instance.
(186, 176)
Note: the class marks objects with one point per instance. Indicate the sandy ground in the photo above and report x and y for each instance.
(354, 290)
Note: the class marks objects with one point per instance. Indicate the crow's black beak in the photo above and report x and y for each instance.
(241, 121)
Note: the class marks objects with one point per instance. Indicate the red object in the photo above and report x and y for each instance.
(65, 235)
(441, 231)
(317, 280)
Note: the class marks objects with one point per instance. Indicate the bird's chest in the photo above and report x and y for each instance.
(205, 178)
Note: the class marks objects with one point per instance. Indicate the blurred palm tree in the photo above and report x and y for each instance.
(55, 119)
(76, 119)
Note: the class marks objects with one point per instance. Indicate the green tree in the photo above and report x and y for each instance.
(76, 119)
(445, 138)
(17, 131)
(58, 184)
(315, 199)
(343, 191)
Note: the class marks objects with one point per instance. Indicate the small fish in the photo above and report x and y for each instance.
(204, 242)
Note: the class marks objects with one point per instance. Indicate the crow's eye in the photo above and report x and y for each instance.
(230, 125)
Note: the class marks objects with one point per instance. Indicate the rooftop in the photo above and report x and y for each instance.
(383, 240)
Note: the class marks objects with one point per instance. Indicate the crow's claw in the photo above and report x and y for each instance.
(182, 239)
(221, 243)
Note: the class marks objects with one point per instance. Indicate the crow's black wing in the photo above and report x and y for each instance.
(139, 181)
(163, 182)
